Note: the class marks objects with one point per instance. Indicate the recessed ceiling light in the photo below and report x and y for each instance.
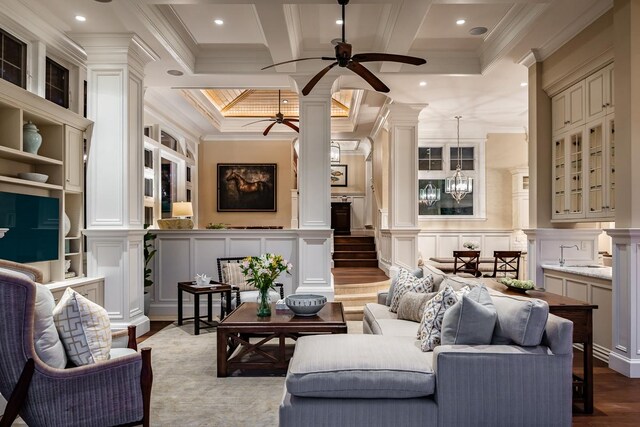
(80, 18)
(478, 31)
(524, 84)
(339, 21)
(423, 83)
(460, 22)
(175, 72)
(103, 1)
(218, 21)
(285, 101)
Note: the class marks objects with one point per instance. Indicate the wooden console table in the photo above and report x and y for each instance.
(581, 314)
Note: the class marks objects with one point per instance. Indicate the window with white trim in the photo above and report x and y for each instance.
(436, 162)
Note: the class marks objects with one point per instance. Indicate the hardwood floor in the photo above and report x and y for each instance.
(616, 397)
(351, 275)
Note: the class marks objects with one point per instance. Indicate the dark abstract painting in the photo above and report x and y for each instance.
(247, 187)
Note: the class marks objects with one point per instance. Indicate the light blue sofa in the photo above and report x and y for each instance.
(382, 378)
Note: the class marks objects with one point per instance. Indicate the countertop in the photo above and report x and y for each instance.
(604, 273)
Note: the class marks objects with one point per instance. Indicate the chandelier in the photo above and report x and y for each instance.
(335, 152)
(458, 185)
(429, 195)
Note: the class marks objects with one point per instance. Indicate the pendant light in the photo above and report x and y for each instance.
(429, 195)
(458, 185)
(335, 152)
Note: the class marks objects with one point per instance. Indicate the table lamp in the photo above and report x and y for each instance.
(180, 211)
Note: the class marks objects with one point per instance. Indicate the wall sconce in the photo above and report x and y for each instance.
(335, 152)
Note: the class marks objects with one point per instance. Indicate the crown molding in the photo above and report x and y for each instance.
(530, 58)
(202, 105)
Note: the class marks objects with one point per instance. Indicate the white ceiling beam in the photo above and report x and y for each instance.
(408, 21)
(277, 34)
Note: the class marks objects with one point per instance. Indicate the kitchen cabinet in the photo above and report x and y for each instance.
(567, 109)
(599, 89)
(601, 169)
(568, 175)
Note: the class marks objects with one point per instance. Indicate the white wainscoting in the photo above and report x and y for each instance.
(184, 253)
(442, 243)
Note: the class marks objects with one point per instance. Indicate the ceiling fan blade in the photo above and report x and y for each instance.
(293, 120)
(258, 121)
(375, 82)
(371, 57)
(324, 58)
(316, 79)
(266, 131)
(291, 125)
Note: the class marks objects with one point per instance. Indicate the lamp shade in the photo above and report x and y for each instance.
(181, 209)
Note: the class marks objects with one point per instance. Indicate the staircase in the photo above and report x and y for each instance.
(354, 297)
(354, 251)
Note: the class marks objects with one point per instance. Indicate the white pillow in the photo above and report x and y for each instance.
(45, 335)
(84, 328)
(407, 282)
(232, 275)
(430, 330)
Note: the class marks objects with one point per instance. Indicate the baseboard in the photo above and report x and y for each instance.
(622, 364)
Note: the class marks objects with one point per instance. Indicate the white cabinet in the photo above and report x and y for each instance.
(599, 101)
(74, 141)
(601, 169)
(567, 109)
(568, 175)
(90, 288)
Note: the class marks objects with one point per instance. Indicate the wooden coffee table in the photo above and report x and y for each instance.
(235, 351)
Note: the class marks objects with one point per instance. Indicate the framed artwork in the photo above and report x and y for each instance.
(247, 187)
(338, 175)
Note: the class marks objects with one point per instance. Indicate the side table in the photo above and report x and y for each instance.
(196, 291)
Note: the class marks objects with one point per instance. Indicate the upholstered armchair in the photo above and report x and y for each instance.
(229, 272)
(110, 393)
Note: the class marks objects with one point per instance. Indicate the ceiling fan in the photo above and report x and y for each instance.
(344, 59)
(278, 119)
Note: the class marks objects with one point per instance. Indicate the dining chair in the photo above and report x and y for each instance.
(467, 262)
(506, 263)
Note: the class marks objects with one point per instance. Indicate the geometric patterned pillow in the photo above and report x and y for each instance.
(232, 275)
(407, 282)
(430, 329)
(84, 328)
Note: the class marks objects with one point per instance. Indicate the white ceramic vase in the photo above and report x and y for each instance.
(67, 225)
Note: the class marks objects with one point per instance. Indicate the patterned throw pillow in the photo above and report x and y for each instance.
(407, 282)
(84, 328)
(431, 326)
(232, 275)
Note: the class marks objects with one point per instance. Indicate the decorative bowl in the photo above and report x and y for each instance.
(305, 305)
(516, 285)
(32, 176)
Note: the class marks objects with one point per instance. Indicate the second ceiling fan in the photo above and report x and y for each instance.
(278, 119)
(344, 59)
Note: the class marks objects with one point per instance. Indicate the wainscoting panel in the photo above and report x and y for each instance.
(442, 243)
(208, 250)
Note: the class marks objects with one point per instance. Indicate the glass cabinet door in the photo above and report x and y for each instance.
(575, 173)
(611, 167)
(596, 168)
(559, 182)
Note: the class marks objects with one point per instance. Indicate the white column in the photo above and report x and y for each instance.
(403, 184)
(314, 190)
(115, 74)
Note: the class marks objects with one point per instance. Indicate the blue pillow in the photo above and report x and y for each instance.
(417, 272)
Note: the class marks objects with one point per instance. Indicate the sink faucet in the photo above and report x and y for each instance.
(562, 248)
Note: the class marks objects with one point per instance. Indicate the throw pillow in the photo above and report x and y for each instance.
(457, 282)
(412, 305)
(417, 272)
(438, 275)
(471, 320)
(520, 321)
(232, 275)
(431, 326)
(84, 328)
(407, 282)
(45, 335)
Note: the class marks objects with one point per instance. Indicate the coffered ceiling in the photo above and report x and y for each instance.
(478, 76)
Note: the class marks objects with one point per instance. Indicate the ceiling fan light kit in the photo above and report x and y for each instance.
(344, 59)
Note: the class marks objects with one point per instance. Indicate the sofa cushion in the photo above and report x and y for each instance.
(359, 366)
(457, 282)
(84, 328)
(430, 328)
(417, 272)
(398, 328)
(471, 320)
(407, 282)
(438, 275)
(519, 321)
(412, 305)
(46, 340)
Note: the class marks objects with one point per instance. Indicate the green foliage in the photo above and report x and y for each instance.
(216, 226)
(149, 253)
(262, 271)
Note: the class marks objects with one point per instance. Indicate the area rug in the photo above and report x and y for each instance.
(187, 392)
